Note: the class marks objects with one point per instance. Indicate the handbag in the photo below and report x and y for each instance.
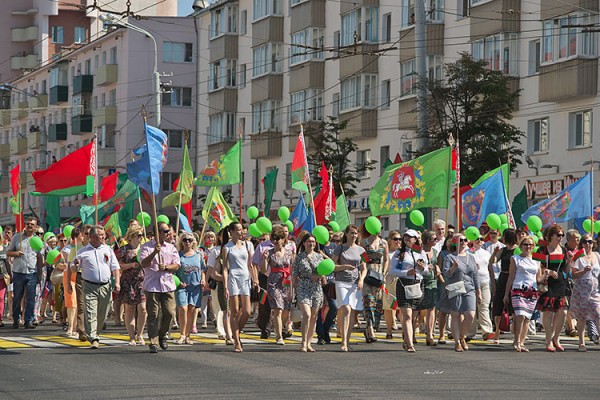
(212, 284)
(412, 292)
(56, 277)
(504, 325)
(329, 291)
(374, 278)
(455, 289)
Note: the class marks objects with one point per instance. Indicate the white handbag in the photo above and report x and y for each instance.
(455, 289)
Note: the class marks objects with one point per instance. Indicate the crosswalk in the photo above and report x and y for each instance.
(47, 341)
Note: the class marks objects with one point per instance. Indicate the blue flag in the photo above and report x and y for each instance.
(489, 196)
(145, 172)
(579, 221)
(572, 203)
(183, 222)
(302, 218)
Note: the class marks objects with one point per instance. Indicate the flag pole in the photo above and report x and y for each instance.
(457, 197)
(96, 174)
(140, 201)
(241, 183)
(592, 193)
(185, 139)
(312, 199)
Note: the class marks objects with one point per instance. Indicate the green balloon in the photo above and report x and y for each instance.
(144, 219)
(1, 231)
(252, 212)
(472, 233)
(176, 281)
(283, 213)
(534, 223)
(540, 235)
(325, 267)
(321, 234)
(48, 235)
(517, 251)
(254, 231)
(503, 219)
(336, 227)
(163, 218)
(52, 257)
(373, 225)
(290, 225)
(494, 221)
(417, 217)
(535, 239)
(587, 225)
(264, 224)
(596, 227)
(36, 243)
(503, 227)
(68, 230)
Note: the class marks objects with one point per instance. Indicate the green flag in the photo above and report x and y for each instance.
(269, 183)
(519, 206)
(216, 212)
(505, 175)
(128, 192)
(342, 216)
(185, 187)
(419, 183)
(387, 163)
(225, 170)
(113, 228)
(52, 212)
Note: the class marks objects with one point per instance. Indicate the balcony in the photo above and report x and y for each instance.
(107, 158)
(105, 116)
(34, 140)
(307, 75)
(38, 101)
(267, 87)
(59, 94)
(265, 145)
(219, 148)
(224, 46)
(81, 124)
(486, 19)
(57, 132)
(18, 146)
(26, 179)
(24, 62)
(19, 110)
(362, 124)
(5, 117)
(555, 8)
(224, 100)
(107, 75)
(434, 44)
(4, 152)
(269, 29)
(568, 80)
(294, 132)
(24, 34)
(307, 14)
(366, 61)
(83, 84)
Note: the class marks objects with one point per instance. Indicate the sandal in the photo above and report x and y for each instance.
(303, 349)
(221, 337)
(524, 349)
(132, 343)
(181, 340)
(496, 341)
(188, 340)
(411, 349)
(229, 342)
(582, 348)
(344, 349)
(310, 349)
(389, 336)
(558, 347)
(464, 344)
(442, 340)
(458, 348)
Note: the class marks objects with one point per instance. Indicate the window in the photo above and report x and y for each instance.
(87, 69)
(534, 57)
(266, 59)
(500, 51)
(580, 129)
(385, 94)
(243, 75)
(407, 151)
(177, 52)
(266, 116)
(113, 55)
(387, 28)
(568, 37)
(294, 2)
(221, 128)
(384, 156)
(408, 78)
(223, 20)
(244, 22)
(335, 105)
(106, 139)
(463, 8)
(57, 34)
(112, 98)
(175, 138)
(59, 75)
(306, 105)
(168, 179)
(434, 10)
(353, 22)
(305, 44)
(363, 160)
(254, 179)
(358, 91)
(179, 97)
(537, 135)
(222, 74)
(264, 8)
(288, 176)
(336, 42)
(407, 13)
(80, 35)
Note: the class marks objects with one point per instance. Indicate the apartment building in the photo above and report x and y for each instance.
(275, 63)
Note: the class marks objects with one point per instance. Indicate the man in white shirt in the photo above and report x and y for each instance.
(482, 258)
(97, 262)
(439, 227)
(491, 246)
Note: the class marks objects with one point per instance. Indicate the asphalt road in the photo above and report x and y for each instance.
(371, 371)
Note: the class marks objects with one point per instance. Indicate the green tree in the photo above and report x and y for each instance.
(476, 104)
(325, 145)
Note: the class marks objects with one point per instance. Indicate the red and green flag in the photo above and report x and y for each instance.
(287, 282)
(419, 183)
(216, 212)
(263, 296)
(225, 170)
(555, 258)
(365, 258)
(578, 254)
(300, 178)
(185, 187)
(541, 257)
(416, 249)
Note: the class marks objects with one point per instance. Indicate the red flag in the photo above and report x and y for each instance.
(15, 179)
(398, 159)
(67, 175)
(300, 178)
(109, 186)
(325, 201)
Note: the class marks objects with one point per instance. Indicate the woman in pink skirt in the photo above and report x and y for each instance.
(585, 300)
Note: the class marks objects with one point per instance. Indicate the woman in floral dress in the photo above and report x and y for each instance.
(132, 277)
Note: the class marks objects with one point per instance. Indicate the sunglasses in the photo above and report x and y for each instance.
(263, 239)
(587, 241)
(560, 234)
(166, 231)
(480, 239)
(463, 240)
(140, 235)
(397, 239)
(31, 224)
(187, 240)
(39, 233)
(64, 240)
(528, 244)
(493, 233)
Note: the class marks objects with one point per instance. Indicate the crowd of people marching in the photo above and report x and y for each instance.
(431, 280)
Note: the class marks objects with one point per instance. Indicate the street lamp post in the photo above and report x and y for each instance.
(109, 20)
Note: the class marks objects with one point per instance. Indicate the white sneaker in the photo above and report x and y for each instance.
(280, 342)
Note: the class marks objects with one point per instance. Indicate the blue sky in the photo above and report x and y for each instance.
(184, 7)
